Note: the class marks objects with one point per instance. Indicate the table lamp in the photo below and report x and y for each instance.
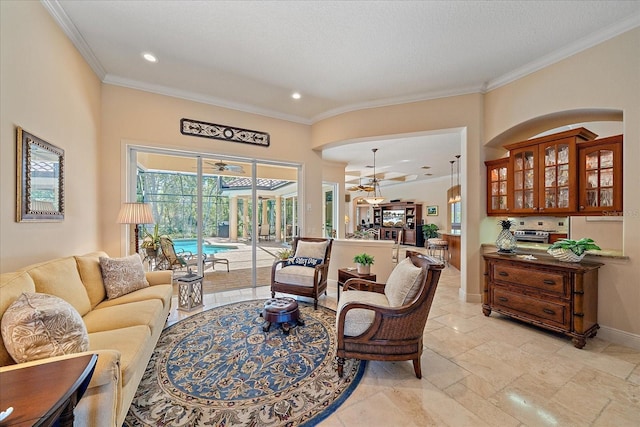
(135, 213)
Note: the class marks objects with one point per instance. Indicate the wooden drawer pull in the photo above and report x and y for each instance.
(503, 299)
(549, 282)
(503, 273)
(548, 311)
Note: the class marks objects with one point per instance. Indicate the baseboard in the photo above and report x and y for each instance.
(463, 296)
(619, 337)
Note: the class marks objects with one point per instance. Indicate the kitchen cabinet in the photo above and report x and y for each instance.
(544, 173)
(600, 176)
(559, 296)
(498, 186)
(390, 218)
(453, 241)
(568, 173)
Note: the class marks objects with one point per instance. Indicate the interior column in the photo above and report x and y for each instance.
(233, 219)
(278, 218)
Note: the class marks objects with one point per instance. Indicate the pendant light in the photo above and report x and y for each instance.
(376, 198)
(451, 197)
(458, 196)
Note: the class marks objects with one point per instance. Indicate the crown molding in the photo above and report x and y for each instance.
(61, 17)
(203, 99)
(566, 52)
(398, 101)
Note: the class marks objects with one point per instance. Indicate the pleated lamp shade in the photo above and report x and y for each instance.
(135, 213)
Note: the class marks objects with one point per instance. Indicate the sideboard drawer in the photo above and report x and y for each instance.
(548, 312)
(546, 281)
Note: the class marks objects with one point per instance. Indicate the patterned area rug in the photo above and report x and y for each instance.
(219, 368)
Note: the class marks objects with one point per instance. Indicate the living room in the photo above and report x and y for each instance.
(49, 89)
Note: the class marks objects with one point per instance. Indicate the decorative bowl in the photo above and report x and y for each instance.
(566, 255)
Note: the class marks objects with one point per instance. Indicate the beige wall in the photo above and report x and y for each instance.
(459, 112)
(49, 90)
(605, 77)
(140, 118)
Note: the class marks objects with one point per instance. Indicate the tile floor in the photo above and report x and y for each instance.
(485, 371)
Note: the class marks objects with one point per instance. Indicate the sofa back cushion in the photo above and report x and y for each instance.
(12, 285)
(60, 277)
(91, 275)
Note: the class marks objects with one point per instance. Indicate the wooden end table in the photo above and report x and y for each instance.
(42, 394)
(345, 274)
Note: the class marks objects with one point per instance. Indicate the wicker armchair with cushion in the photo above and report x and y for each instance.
(377, 321)
(306, 273)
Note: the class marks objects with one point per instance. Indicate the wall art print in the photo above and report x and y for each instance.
(224, 133)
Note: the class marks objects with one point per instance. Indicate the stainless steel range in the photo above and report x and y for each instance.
(537, 236)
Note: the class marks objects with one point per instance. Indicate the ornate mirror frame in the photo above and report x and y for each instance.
(40, 179)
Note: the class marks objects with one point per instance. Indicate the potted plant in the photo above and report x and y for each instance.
(430, 231)
(364, 262)
(572, 250)
(283, 254)
(151, 242)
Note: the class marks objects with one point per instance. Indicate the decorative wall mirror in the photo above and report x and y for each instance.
(40, 179)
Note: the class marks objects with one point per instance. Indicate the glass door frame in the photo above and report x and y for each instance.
(130, 190)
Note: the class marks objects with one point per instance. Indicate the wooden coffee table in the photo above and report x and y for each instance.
(284, 311)
(43, 394)
(345, 274)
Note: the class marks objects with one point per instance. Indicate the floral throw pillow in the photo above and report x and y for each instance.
(122, 275)
(36, 326)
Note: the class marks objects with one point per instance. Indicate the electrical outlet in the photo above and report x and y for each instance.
(540, 223)
(521, 222)
(560, 224)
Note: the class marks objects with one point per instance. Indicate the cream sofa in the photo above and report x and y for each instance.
(122, 331)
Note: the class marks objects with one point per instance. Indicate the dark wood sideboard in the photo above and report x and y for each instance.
(556, 295)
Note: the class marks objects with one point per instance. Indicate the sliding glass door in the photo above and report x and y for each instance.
(241, 210)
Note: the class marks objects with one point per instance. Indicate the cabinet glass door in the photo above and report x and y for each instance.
(600, 186)
(498, 186)
(557, 169)
(524, 180)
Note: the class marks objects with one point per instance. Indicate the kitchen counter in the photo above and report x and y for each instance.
(529, 247)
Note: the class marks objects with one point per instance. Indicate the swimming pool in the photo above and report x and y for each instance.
(189, 245)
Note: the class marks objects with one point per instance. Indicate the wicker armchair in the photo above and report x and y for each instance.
(291, 277)
(386, 322)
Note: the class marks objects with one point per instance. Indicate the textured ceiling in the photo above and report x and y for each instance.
(340, 55)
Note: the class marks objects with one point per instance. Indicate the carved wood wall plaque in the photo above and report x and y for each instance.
(222, 132)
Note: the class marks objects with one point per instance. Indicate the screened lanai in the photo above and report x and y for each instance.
(206, 206)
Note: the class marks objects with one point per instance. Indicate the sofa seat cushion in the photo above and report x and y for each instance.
(139, 313)
(60, 277)
(403, 283)
(358, 320)
(295, 275)
(37, 326)
(122, 275)
(130, 342)
(91, 275)
(157, 292)
(12, 285)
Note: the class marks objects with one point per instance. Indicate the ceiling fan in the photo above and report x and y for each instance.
(220, 166)
(360, 187)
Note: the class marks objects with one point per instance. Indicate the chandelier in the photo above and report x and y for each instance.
(376, 198)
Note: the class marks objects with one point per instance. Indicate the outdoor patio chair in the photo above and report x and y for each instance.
(306, 273)
(184, 259)
(377, 321)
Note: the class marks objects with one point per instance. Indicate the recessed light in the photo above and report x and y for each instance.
(296, 95)
(149, 57)
(426, 167)
(428, 174)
